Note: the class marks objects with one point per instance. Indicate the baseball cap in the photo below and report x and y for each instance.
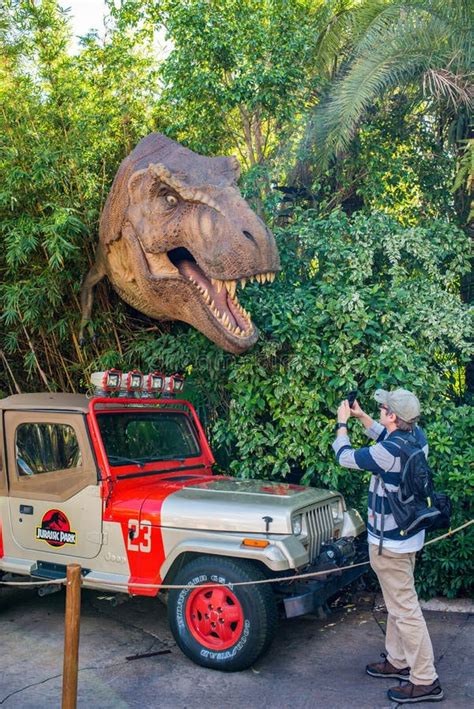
(402, 402)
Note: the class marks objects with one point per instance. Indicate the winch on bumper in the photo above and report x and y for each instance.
(305, 596)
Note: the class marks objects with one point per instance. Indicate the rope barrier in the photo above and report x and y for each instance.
(295, 577)
(449, 533)
(33, 583)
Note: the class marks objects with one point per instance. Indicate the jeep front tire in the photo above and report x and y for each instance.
(225, 628)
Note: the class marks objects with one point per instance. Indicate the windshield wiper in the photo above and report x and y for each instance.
(159, 458)
(121, 460)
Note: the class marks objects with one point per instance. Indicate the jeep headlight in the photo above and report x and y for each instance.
(337, 510)
(297, 525)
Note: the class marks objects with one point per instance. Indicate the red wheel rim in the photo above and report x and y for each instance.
(214, 617)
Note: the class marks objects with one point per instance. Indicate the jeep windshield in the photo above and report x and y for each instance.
(139, 437)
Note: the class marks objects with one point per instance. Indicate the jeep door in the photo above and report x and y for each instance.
(54, 497)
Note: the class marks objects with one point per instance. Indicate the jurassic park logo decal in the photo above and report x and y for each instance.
(55, 529)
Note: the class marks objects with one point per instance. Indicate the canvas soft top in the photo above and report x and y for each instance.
(46, 401)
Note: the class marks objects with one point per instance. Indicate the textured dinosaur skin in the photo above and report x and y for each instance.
(176, 237)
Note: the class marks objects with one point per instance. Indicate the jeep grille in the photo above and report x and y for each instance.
(320, 527)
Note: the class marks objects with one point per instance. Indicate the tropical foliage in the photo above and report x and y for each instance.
(418, 45)
(374, 245)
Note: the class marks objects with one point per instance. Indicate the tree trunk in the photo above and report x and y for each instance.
(246, 125)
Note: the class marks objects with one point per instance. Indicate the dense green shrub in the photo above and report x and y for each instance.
(446, 567)
(361, 301)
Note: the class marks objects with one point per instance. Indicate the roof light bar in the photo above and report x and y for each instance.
(135, 384)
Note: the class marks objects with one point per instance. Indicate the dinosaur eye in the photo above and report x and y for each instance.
(172, 200)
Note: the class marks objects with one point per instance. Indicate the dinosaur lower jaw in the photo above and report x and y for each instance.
(215, 296)
(219, 300)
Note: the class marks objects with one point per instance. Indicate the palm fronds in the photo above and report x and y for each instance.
(422, 43)
(444, 85)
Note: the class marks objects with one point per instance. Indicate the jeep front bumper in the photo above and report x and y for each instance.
(301, 597)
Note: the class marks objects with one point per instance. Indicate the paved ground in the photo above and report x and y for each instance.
(312, 663)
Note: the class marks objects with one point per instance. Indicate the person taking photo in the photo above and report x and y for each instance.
(409, 652)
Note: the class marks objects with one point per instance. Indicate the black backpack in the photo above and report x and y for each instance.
(416, 505)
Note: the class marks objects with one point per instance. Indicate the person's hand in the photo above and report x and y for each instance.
(343, 412)
(356, 410)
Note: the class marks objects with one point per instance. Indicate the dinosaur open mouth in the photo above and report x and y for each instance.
(218, 295)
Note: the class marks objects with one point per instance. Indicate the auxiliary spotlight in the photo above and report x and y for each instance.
(105, 382)
(153, 384)
(132, 381)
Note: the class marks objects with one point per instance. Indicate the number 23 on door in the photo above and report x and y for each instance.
(139, 535)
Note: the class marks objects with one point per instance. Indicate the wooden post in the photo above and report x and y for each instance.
(72, 619)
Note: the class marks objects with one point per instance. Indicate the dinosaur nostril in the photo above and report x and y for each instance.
(250, 236)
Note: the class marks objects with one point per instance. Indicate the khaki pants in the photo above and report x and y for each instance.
(407, 640)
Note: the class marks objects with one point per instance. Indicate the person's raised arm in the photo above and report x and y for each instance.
(373, 429)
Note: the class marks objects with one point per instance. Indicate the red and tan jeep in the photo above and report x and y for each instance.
(123, 485)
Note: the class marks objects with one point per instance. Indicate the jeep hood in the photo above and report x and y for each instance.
(230, 505)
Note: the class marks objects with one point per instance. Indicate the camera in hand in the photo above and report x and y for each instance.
(351, 397)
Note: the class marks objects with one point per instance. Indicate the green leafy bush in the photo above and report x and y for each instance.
(361, 302)
(446, 567)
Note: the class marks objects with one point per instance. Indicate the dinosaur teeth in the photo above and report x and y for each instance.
(231, 287)
(217, 284)
(224, 319)
(259, 277)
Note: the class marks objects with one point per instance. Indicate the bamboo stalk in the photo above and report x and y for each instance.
(117, 340)
(33, 352)
(77, 348)
(64, 365)
(54, 355)
(7, 366)
(47, 354)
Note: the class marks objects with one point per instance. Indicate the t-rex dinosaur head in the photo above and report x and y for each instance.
(177, 237)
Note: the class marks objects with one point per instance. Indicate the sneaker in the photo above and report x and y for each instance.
(410, 693)
(386, 669)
